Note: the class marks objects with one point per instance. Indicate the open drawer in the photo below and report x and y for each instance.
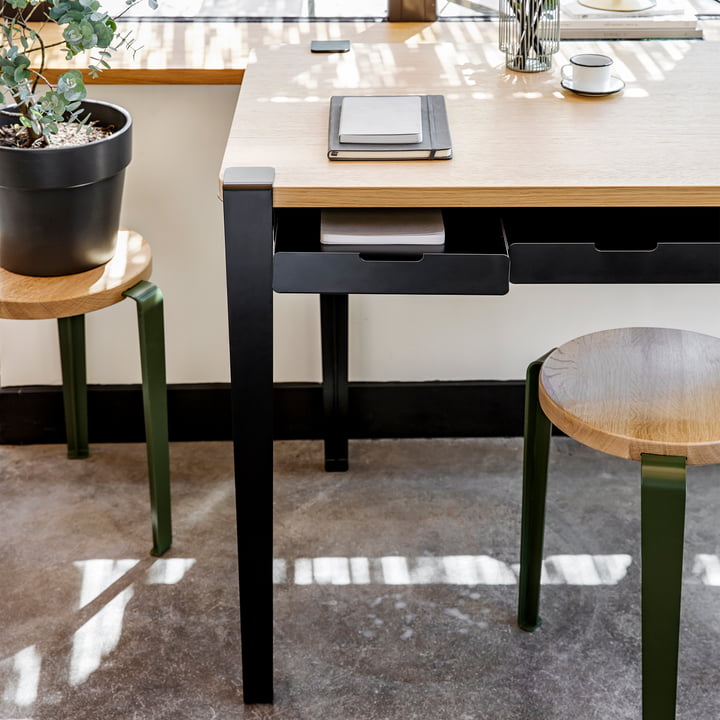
(474, 260)
(613, 245)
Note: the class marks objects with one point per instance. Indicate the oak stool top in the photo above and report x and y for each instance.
(640, 390)
(26, 297)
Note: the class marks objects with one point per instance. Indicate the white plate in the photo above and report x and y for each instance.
(615, 85)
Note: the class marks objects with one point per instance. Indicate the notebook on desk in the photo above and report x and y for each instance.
(379, 127)
(384, 119)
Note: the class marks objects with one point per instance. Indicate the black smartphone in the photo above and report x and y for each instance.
(329, 46)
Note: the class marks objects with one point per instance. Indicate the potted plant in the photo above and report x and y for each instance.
(62, 157)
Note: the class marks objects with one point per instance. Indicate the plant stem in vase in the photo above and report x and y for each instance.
(529, 33)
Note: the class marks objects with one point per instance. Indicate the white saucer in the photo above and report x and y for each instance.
(615, 85)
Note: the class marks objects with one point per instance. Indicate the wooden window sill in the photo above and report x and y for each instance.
(216, 53)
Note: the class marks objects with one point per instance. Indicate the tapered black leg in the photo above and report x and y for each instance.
(247, 200)
(334, 332)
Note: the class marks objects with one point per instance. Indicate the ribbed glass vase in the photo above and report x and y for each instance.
(529, 33)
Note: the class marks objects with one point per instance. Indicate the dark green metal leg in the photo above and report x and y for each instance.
(535, 467)
(663, 529)
(72, 359)
(152, 359)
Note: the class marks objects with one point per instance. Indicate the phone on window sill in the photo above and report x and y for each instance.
(329, 46)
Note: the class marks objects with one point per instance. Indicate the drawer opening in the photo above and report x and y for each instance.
(467, 230)
(632, 229)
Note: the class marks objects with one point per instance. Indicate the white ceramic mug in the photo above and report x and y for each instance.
(590, 72)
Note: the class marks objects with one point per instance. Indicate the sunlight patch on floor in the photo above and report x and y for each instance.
(447, 570)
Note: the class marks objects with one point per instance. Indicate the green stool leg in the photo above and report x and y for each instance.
(535, 468)
(152, 359)
(71, 331)
(662, 528)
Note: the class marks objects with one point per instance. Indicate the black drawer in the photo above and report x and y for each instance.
(473, 262)
(613, 245)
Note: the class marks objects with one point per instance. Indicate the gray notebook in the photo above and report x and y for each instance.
(435, 143)
(379, 119)
(382, 230)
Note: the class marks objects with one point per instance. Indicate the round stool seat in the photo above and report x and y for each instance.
(637, 390)
(26, 297)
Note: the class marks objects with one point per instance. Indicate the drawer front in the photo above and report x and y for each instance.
(614, 245)
(473, 262)
(353, 273)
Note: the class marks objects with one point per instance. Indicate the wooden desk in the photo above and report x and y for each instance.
(518, 138)
(520, 141)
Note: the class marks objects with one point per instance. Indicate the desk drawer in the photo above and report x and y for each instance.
(474, 261)
(613, 245)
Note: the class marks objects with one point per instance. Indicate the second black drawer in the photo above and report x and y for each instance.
(613, 245)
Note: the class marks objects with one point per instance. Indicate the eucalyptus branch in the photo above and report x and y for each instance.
(38, 76)
(528, 33)
(43, 58)
(29, 16)
(86, 28)
(129, 7)
(59, 43)
(529, 15)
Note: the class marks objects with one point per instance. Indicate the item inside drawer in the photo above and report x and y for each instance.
(466, 231)
(382, 231)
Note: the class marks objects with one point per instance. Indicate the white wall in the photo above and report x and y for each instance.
(171, 197)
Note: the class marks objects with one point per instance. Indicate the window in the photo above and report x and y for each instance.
(256, 10)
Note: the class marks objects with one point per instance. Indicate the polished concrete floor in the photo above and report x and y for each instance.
(395, 587)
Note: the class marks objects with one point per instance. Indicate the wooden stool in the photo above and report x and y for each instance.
(68, 298)
(646, 394)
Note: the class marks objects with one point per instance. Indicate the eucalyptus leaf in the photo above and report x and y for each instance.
(71, 87)
(21, 73)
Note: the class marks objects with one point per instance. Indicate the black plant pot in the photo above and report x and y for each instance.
(60, 207)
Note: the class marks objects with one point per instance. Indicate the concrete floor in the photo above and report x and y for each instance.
(395, 593)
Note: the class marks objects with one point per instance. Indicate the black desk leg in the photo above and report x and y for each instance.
(247, 200)
(334, 335)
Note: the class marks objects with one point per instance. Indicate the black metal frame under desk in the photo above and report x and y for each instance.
(278, 249)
